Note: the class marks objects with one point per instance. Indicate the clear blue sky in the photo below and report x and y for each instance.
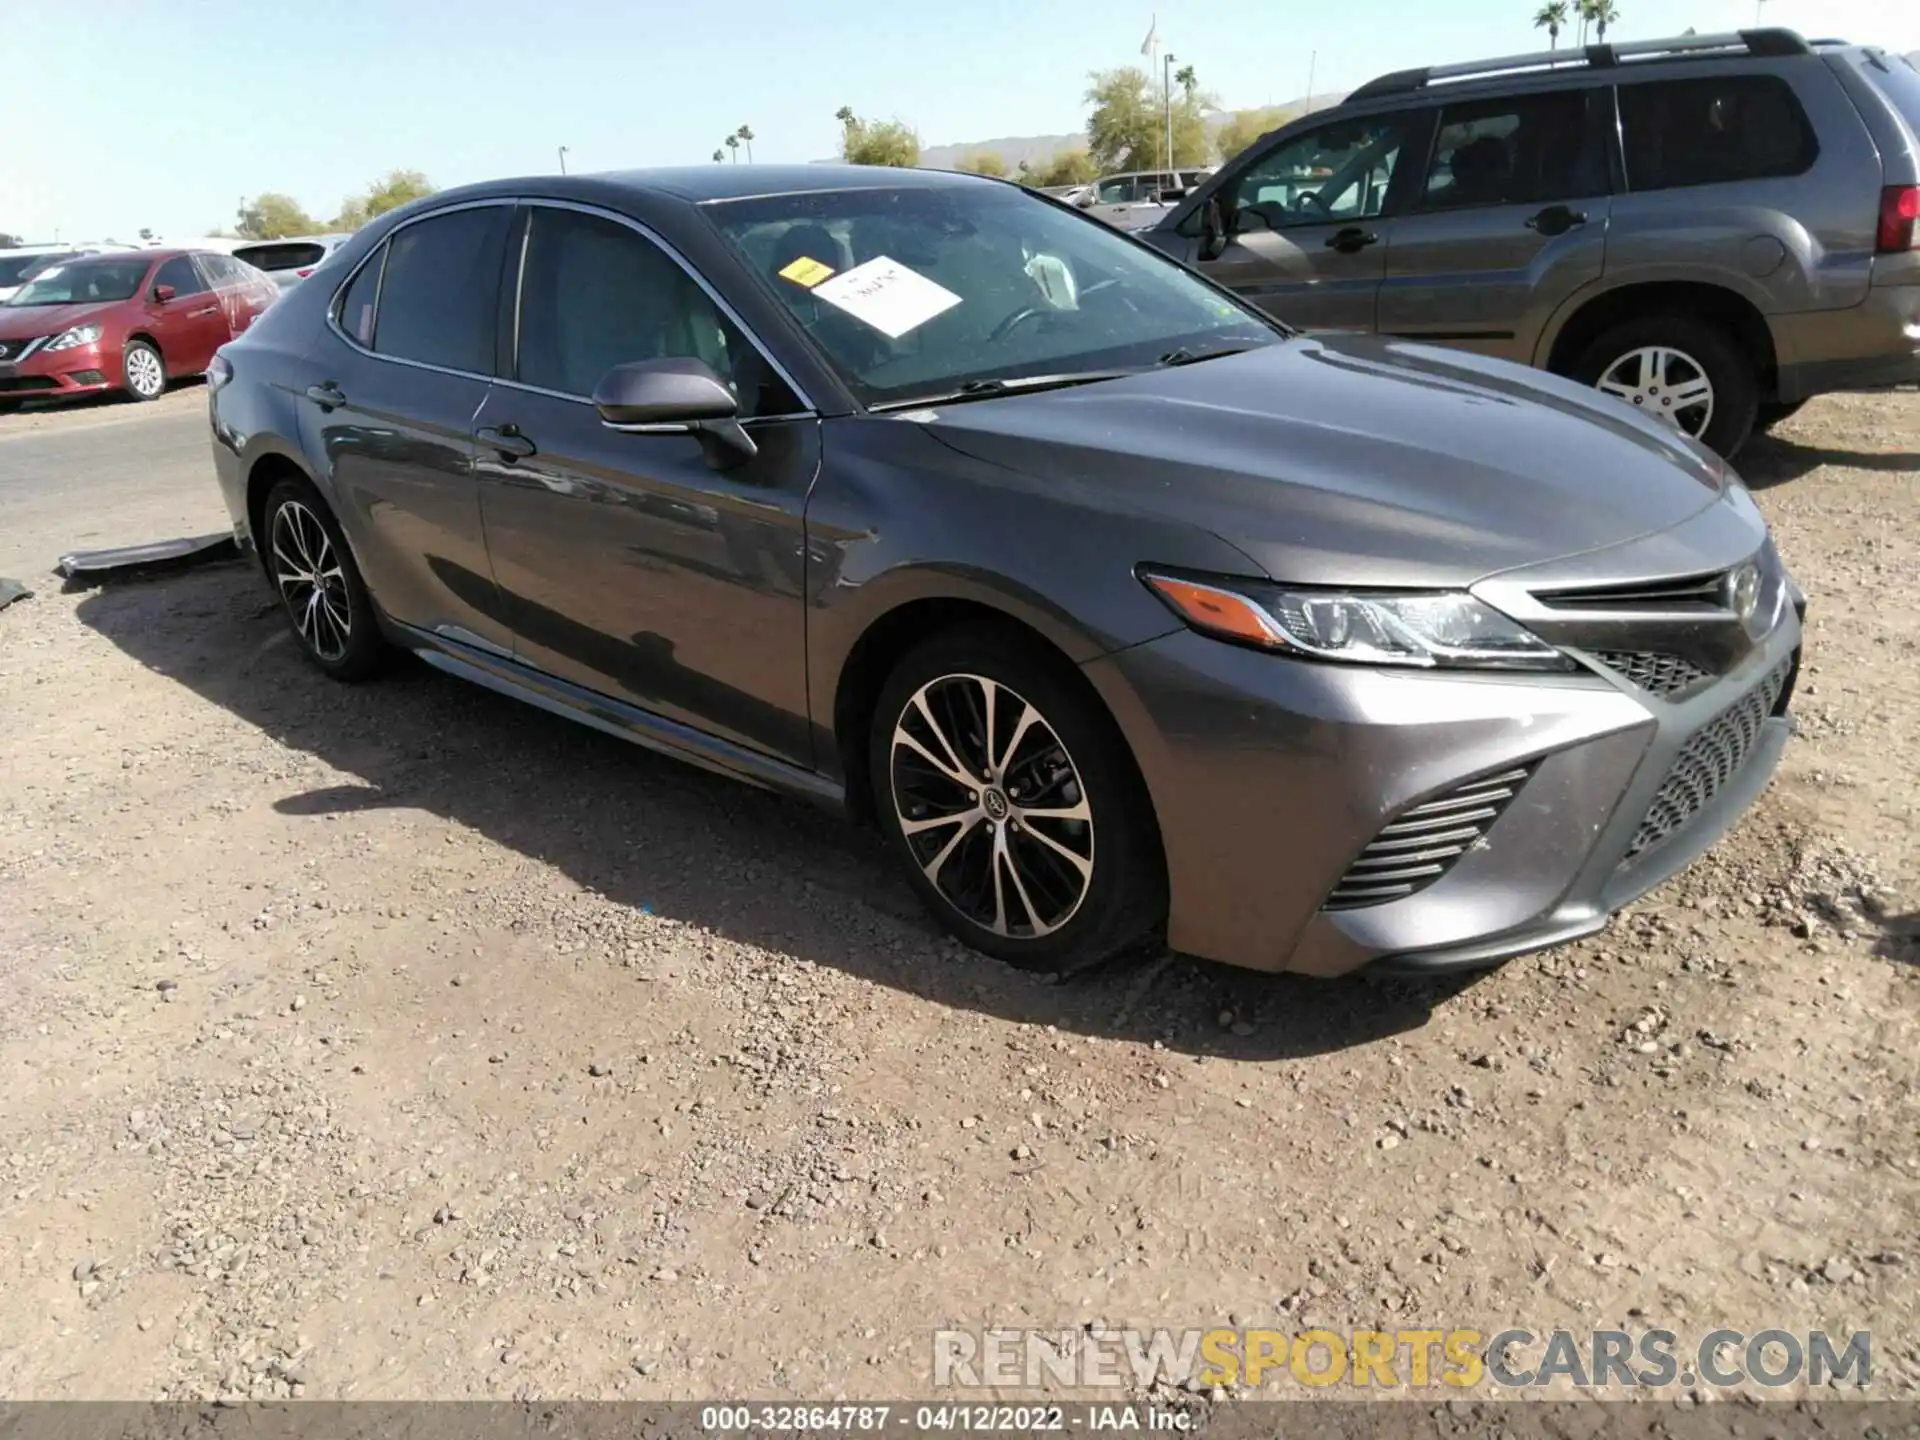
(162, 114)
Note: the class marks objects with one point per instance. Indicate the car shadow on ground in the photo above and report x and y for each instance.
(100, 400)
(1769, 460)
(647, 831)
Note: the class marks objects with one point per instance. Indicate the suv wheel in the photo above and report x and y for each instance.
(310, 566)
(1777, 412)
(1014, 805)
(1686, 373)
(144, 371)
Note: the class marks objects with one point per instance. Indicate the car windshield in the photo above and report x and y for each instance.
(14, 269)
(923, 291)
(84, 282)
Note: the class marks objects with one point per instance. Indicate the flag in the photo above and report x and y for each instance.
(1152, 42)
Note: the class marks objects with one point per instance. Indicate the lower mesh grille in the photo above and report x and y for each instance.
(1652, 671)
(1712, 756)
(1422, 845)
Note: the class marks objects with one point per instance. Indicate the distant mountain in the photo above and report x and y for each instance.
(1037, 150)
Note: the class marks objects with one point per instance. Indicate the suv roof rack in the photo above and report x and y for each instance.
(1769, 42)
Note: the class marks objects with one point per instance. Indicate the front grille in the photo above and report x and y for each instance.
(14, 349)
(1655, 672)
(1712, 756)
(1690, 592)
(1422, 844)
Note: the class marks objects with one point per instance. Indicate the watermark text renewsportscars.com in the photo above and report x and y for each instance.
(1318, 1359)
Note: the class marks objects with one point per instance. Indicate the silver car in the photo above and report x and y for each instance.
(290, 260)
(1139, 197)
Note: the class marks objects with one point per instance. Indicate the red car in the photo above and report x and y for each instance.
(129, 321)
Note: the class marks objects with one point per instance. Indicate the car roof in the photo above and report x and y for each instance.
(701, 184)
(333, 237)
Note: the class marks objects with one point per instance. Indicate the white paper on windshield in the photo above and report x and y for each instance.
(887, 295)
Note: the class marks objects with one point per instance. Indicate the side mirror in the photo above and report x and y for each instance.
(1168, 197)
(1087, 201)
(163, 293)
(675, 396)
(1213, 229)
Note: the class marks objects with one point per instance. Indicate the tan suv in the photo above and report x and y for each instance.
(1712, 229)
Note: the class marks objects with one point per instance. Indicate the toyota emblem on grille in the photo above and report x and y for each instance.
(1743, 592)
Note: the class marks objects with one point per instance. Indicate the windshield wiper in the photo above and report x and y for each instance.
(1187, 355)
(987, 389)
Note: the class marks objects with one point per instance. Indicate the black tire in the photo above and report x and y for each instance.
(131, 363)
(1777, 412)
(351, 651)
(1123, 901)
(1734, 377)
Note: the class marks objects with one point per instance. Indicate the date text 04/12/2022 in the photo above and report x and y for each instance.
(942, 1419)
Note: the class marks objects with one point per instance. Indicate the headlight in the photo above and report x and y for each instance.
(1428, 630)
(78, 335)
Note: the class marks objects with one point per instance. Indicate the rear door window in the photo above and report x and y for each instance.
(180, 274)
(439, 299)
(355, 312)
(1523, 150)
(1715, 131)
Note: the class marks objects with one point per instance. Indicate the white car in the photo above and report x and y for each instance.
(21, 265)
(291, 260)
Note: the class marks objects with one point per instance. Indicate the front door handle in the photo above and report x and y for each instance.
(506, 439)
(1352, 240)
(328, 396)
(1556, 220)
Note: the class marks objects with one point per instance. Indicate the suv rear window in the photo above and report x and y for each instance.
(285, 256)
(1896, 77)
(1712, 131)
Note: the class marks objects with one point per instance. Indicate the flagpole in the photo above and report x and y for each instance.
(1166, 101)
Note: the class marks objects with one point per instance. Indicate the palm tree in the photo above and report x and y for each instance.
(1187, 81)
(719, 157)
(733, 145)
(1601, 14)
(1552, 18)
(745, 132)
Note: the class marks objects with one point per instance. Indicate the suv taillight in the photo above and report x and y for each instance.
(1899, 219)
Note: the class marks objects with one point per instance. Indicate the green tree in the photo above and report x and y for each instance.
(1187, 81)
(983, 162)
(719, 157)
(1126, 129)
(1246, 126)
(1552, 18)
(876, 142)
(389, 192)
(733, 148)
(745, 132)
(1069, 167)
(272, 216)
(10, 242)
(1600, 14)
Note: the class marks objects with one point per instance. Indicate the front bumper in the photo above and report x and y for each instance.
(59, 374)
(1270, 777)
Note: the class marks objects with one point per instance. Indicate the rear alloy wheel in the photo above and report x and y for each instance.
(1685, 373)
(144, 371)
(318, 583)
(1015, 806)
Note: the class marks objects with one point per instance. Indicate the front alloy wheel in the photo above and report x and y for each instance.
(143, 370)
(1013, 802)
(992, 806)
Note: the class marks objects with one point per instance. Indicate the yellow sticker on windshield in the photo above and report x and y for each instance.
(806, 271)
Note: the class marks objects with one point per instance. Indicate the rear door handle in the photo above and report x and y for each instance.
(506, 439)
(1556, 220)
(1352, 240)
(328, 396)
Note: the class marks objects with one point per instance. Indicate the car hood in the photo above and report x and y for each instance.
(23, 322)
(1354, 461)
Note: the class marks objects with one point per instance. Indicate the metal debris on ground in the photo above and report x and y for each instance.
(12, 590)
(104, 565)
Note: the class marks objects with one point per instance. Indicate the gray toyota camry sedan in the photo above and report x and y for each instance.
(1126, 614)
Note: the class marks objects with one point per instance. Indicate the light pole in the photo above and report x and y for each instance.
(1166, 101)
(563, 159)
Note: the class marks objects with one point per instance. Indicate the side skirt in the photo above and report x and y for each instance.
(507, 676)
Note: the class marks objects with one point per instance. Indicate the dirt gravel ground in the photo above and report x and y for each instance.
(401, 1041)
